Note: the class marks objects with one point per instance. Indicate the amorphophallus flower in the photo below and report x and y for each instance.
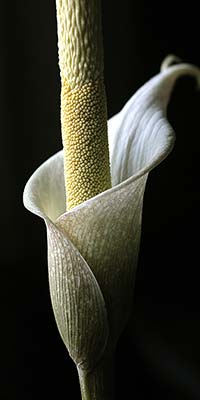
(93, 246)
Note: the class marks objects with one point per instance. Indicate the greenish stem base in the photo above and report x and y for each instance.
(98, 384)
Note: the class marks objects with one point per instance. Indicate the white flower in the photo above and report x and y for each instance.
(93, 248)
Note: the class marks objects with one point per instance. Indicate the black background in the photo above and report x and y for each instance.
(159, 355)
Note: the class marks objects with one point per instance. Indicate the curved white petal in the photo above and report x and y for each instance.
(44, 193)
(140, 136)
(102, 235)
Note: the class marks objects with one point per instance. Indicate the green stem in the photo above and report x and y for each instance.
(98, 384)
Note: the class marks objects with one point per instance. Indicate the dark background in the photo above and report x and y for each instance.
(159, 355)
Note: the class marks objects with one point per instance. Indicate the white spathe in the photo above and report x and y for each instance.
(93, 248)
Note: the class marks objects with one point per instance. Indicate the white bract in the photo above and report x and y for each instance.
(93, 248)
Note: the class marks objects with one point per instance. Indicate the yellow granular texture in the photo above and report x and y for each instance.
(85, 141)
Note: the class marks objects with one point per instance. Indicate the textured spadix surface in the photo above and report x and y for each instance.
(93, 248)
(83, 100)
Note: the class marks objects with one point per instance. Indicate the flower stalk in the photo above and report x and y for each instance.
(83, 100)
(98, 384)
